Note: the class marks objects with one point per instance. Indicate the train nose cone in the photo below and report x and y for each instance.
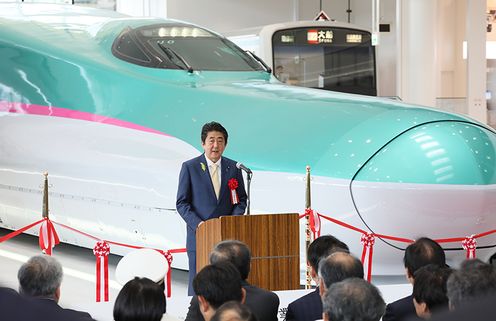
(435, 180)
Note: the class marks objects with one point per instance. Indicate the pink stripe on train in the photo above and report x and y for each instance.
(21, 108)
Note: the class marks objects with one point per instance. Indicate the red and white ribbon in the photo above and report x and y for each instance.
(314, 222)
(102, 251)
(48, 237)
(233, 185)
(470, 245)
(367, 241)
(168, 256)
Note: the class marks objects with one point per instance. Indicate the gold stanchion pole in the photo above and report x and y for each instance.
(44, 211)
(308, 204)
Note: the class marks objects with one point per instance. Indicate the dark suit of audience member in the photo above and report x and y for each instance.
(16, 307)
(39, 282)
(203, 192)
(264, 304)
(420, 253)
(309, 307)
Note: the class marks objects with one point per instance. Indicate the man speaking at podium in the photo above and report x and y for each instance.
(210, 186)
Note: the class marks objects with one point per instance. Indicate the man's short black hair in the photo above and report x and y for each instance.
(430, 286)
(422, 252)
(322, 247)
(218, 283)
(213, 127)
(235, 252)
(353, 299)
(474, 280)
(338, 267)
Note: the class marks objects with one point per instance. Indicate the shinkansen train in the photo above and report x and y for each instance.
(328, 55)
(111, 106)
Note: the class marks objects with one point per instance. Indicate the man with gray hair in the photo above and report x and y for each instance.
(473, 281)
(40, 279)
(353, 299)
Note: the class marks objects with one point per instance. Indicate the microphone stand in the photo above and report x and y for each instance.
(248, 178)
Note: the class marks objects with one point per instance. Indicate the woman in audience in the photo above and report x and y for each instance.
(140, 299)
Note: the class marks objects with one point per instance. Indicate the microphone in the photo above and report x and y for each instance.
(243, 167)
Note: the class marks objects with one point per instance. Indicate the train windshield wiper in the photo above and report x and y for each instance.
(259, 60)
(171, 53)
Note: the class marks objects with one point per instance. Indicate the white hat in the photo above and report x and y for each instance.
(143, 263)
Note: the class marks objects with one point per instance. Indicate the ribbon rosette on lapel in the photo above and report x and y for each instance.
(233, 184)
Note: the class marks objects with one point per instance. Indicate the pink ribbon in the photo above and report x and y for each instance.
(102, 251)
(314, 222)
(368, 241)
(470, 245)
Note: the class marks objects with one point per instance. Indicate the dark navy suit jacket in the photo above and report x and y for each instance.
(400, 309)
(196, 200)
(306, 308)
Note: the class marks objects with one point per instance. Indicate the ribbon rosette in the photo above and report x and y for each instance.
(470, 245)
(168, 256)
(233, 184)
(48, 237)
(102, 251)
(368, 240)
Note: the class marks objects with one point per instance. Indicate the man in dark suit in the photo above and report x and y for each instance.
(264, 304)
(39, 283)
(206, 188)
(309, 307)
(422, 252)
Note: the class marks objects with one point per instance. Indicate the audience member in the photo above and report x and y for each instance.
(234, 311)
(40, 279)
(263, 303)
(429, 290)
(140, 299)
(352, 299)
(338, 267)
(216, 284)
(309, 307)
(473, 281)
(420, 253)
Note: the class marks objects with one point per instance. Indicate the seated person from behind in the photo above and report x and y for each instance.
(309, 307)
(353, 299)
(337, 267)
(40, 279)
(140, 299)
(420, 253)
(429, 290)
(263, 303)
(234, 311)
(216, 284)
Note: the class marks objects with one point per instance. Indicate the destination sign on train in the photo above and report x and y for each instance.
(316, 36)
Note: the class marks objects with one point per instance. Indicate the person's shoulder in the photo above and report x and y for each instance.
(408, 300)
(229, 161)
(259, 292)
(194, 160)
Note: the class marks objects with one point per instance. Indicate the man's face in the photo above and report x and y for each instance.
(214, 145)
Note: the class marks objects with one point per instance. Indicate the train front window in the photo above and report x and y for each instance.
(337, 59)
(182, 46)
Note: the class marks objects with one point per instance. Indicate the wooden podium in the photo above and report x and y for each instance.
(273, 240)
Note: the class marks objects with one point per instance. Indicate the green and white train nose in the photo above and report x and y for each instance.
(430, 176)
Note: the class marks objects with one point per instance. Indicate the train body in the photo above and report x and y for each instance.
(111, 106)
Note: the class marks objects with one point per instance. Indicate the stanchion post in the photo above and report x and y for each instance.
(308, 204)
(44, 211)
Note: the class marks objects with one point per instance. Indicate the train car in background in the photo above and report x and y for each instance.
(327, 55)
(111, 105)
